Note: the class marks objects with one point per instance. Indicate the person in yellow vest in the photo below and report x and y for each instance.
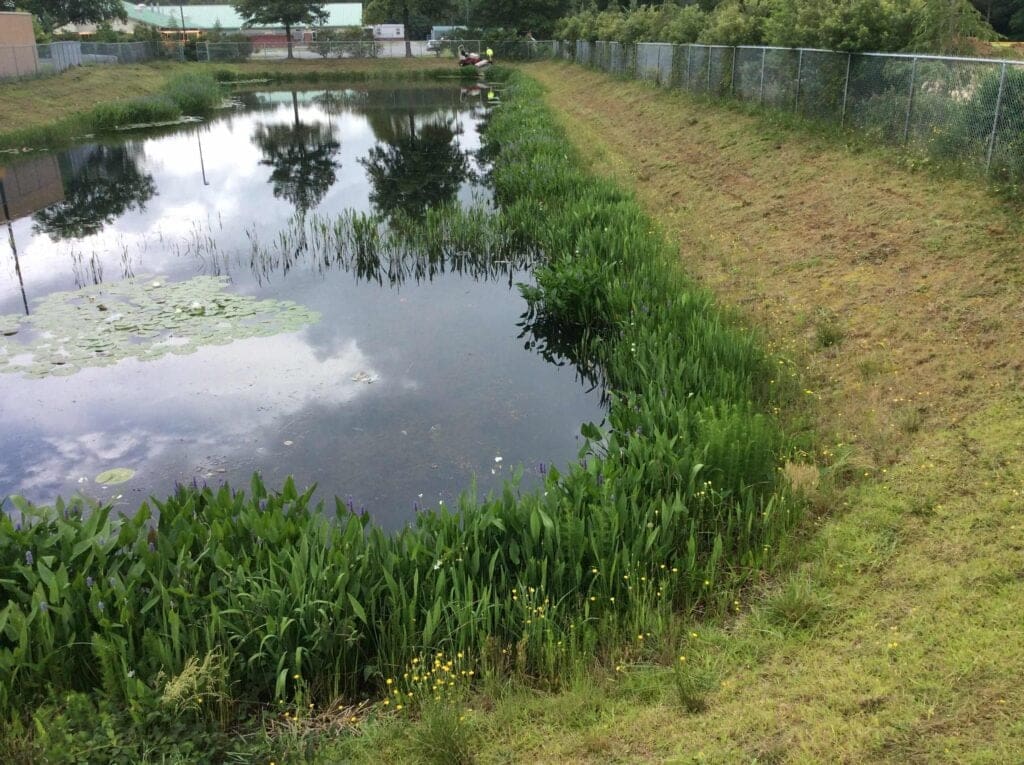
(490, 55)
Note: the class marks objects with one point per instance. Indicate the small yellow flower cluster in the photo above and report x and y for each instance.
(433, 676)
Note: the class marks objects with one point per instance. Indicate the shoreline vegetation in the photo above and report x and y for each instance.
(52, 112)
(887, 631)
(256, 610)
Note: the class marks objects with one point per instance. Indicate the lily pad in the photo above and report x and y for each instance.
(135, 323)
(116, 475)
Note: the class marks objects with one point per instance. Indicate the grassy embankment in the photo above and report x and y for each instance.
(230, 609)
(49, 112)
(896, 636)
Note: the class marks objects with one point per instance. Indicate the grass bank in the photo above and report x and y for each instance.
(895, 635)
(50, 111)
(257, 608)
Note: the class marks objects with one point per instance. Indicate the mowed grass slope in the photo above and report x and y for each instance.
(898, 634)
(895, 633)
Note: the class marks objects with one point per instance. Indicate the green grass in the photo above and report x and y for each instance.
(193, 94)
(672, 509)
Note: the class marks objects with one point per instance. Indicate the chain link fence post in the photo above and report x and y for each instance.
(995, 118)
(846, 89)
(799, 73)
(732, 74)
(764, 59)
(910, 100)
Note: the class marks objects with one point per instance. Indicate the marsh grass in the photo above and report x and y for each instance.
(443, 736)
(194, 94)
(693, 678)
(796, 604)
(670, 509)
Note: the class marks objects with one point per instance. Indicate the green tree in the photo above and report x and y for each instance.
(287, 13)
(944, 26)
(56, 13)
(1005, 16)
(538, 16)
(302, 158)
(404, 11)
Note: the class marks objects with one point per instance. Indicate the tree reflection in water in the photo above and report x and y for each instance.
(414, 168)
(101, 183)
(302, 158)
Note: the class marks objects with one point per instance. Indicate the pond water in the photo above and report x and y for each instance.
(163, 314)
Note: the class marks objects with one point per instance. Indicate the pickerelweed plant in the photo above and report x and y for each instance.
(671, 508)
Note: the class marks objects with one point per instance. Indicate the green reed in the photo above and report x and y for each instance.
(671, 508)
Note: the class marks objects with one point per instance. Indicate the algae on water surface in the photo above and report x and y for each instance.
(143, 319)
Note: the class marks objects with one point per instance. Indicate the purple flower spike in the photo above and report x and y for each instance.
(28, 558)
(89, 582)
(101, 606)
(44, 607)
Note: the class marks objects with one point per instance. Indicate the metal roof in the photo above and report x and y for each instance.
(208, 16)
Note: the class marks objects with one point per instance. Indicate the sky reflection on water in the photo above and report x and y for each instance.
(399, 394)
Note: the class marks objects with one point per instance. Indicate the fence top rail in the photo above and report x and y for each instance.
(782, 47)
(933, 57)
(907, 56)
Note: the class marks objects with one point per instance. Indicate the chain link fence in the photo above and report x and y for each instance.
(18, 61)
(34, 60)
(965, 109)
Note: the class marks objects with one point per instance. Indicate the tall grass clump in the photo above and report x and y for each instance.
(184, 94)
(138, 111)
(196, 94)
(672, 507)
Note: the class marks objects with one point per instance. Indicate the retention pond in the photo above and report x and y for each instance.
(209, 302)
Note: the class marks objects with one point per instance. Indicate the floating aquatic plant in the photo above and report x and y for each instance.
(143, 319)
(115, 476)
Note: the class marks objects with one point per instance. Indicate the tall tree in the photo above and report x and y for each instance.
(536, 16)
(287, 13)
(56, 13)
(393, 11)
(1005, 16)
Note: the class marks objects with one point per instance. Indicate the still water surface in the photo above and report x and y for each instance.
(391, 388)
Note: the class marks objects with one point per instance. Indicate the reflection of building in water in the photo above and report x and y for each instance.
(30, 185)
(25, 187)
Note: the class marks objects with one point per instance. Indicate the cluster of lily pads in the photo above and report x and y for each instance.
(143, 319)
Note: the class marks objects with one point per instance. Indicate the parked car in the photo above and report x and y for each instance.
(436, 46)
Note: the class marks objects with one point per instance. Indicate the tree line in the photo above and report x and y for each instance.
(941, 26)
(936, 26)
